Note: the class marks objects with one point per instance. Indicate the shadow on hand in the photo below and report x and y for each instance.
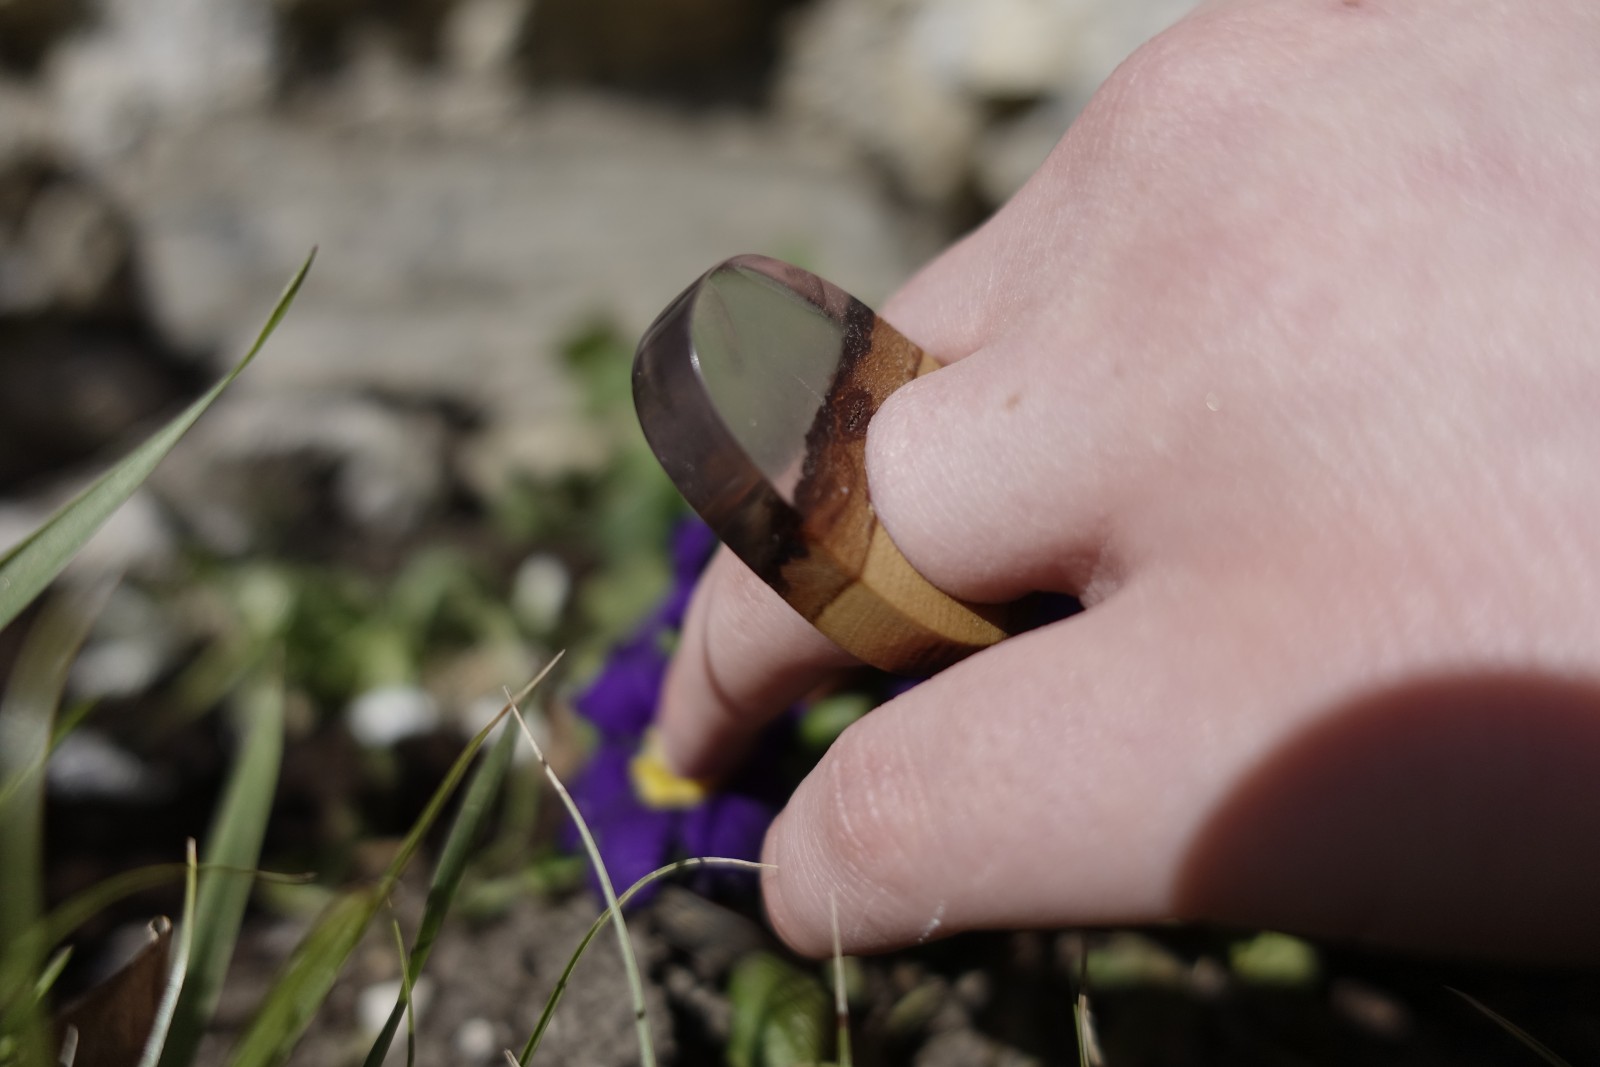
(1457, 815)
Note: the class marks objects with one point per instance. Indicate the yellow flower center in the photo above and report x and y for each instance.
(656, 785)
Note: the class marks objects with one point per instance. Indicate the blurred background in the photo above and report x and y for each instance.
(484, 179)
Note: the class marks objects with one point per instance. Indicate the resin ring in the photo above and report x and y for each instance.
(755, 388)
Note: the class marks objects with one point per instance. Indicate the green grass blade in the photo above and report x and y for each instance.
(52, 971)
(234, 841)
(180, 967)
(405, 998)
(601, 922)
(33, 563)
(1539, 1048)
(304, 983)
(1080, 1027)
(311, 971)
(779, 1013)
(841, 1004)
(630, 965)
(475, 808)
(27, 714)
(1080, 1007)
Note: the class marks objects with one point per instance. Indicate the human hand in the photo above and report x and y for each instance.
(1285, 362)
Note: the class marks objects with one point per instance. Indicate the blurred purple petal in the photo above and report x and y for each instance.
(692, 545)
(621, 701)
(635, 846)
(604, 785)
(727, 824)
(633, 837)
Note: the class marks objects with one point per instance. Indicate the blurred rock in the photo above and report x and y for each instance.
(540, 589)
(970, 1048)
(853, 71)
(389, 714)
(29, 27)
(64, 245)
(1372, 1010)
(477, 1040)
(480, 36)
(76, 392)
(25, 118)
(319, 35)
(134, 641)
(689, 48)
(452, 267)
(298, 471)
(147, 65)
(80, 373)
(916, 84)
(376, 1001)
(87, 765)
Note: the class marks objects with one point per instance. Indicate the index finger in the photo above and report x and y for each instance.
(745, 656)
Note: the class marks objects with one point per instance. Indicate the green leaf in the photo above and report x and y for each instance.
(27, 714)
(1271, 958)
(33, 563)
(52, 971)
(475, 808)
(780, 1014)
(180, 968)
(234, 841)
(405, 997)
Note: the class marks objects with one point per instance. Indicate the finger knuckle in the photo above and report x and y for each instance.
(1188, 89)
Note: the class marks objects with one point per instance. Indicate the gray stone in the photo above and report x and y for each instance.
(134, 641)
(918, 85)
(250, 474)
(142, 66)
(64, 245)
(480, 36)
(387, 714)
(853, 72)
(24, 119)
(87, 765)
(969, 1048)
(28, 28)
(700, 48)
(455, 266)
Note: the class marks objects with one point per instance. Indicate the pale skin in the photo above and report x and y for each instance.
(1288, 362)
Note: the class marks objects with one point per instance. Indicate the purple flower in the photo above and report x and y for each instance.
(641, 816)
(692, 545)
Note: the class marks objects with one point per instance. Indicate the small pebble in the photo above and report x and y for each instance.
(87, 765)
(380, 717)
(1371, 1010)
(539, 592)
(376, 1001)
(475, 1041)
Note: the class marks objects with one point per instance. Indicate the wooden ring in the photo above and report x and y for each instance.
(755, 388)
